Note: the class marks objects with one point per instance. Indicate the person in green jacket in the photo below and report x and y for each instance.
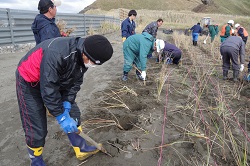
(226, 30)
(212, 32)
(135, 50)
(216, 28)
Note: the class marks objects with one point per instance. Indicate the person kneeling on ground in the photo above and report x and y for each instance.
(230, 49)
(170, 53)
(50, 75)
(135, 50)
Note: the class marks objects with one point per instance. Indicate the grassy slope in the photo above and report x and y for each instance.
(146, 4)
(235, 7)
(238, 7)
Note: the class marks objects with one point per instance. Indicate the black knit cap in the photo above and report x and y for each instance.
(98, 49)
(44, 5)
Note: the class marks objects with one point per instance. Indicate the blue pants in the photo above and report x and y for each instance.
(195, 36)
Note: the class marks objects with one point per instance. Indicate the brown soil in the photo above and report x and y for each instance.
(128, 120)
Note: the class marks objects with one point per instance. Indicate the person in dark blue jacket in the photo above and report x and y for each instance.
(44, 26)
(128, 25)
(170, 53)
(196, 30)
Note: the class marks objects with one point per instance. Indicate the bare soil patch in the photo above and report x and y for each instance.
(132, 124)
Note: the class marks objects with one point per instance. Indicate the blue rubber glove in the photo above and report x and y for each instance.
(66, 106)
(67, 123)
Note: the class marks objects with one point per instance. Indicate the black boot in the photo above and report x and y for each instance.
(225, 73)
(125, 76)
(193, 43)
(138, 75)
(235, 75)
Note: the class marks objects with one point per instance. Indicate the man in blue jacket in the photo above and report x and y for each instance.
(196, 30)
(128, 25)
(170, 53)
(50, 75)
(44, 26)
(135, 50)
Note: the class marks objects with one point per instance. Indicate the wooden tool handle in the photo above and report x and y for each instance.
(90, 140)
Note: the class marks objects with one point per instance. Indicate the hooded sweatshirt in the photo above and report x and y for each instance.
(139, 46)
(44, 28)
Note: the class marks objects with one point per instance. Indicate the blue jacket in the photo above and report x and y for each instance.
(196, 29)
(171, 48)
(127, 28)
(139, 46)
(44, 28)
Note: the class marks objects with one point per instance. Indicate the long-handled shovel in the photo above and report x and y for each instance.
(98, 146)
(205, 41)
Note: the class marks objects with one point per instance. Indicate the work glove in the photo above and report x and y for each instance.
(241, 67)
(123, 39)
(143, 75)
(67, 123)
(67, 106)
(247, 77)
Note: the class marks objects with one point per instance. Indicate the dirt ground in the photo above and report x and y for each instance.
(128, 119)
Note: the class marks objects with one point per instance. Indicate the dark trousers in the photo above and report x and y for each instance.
(229, 53)
(245, 41)
(33, 112)
(176, 57)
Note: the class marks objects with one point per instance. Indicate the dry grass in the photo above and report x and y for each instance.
(106, 27)
(62, 25)
(212, 120)
(114, 99)
(174, 19)
(239, 7)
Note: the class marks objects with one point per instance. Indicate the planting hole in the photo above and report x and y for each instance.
(127, 122)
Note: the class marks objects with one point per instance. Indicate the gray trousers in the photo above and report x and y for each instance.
(229, 53)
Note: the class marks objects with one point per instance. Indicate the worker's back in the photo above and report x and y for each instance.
(234, 41)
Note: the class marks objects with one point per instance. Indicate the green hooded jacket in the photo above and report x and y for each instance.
(212, 30)
(136, 48)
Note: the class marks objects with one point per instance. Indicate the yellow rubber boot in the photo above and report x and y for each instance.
(36, 157)
(84, 155)
(82, 150)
